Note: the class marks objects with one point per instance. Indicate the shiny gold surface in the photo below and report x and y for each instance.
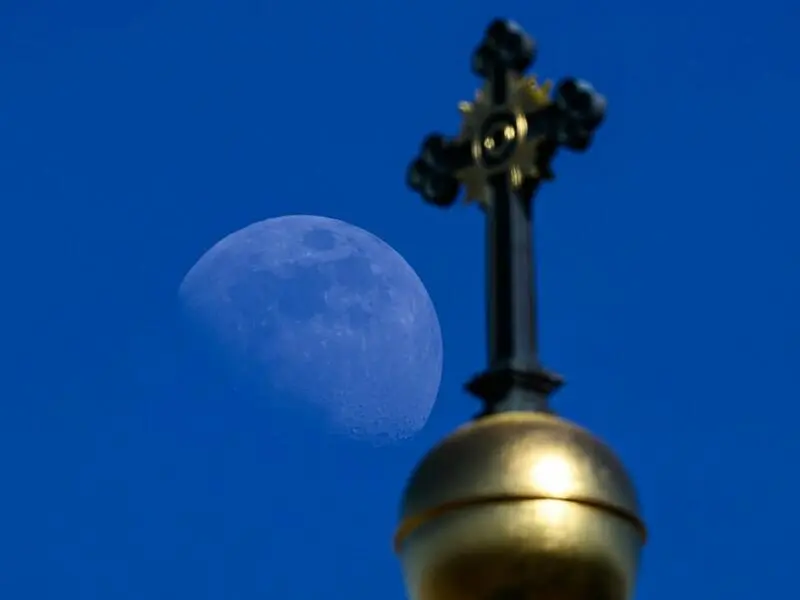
(526, 95)
(520, 501)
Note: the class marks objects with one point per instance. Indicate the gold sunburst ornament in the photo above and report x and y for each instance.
(499, 136)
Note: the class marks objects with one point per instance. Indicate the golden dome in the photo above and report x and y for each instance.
(520, 501)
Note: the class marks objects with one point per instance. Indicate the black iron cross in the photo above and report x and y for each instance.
(508, 139)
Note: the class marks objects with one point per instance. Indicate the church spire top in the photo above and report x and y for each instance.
(509, 136)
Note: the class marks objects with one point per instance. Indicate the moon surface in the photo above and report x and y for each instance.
(325, 312)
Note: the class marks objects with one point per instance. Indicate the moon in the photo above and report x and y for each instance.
(327, 313)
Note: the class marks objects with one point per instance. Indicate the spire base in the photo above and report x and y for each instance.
(506, 389)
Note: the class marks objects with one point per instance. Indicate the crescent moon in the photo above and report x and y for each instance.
(326, 313)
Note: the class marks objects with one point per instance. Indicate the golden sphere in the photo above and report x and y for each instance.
(520, 506)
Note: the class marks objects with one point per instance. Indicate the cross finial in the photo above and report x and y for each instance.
(508, 138)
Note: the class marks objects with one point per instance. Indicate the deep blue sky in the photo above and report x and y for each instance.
(136, 133)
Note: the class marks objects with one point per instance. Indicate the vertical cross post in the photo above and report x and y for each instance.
(509, 136)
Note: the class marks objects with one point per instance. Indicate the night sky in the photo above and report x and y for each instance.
(134, 134)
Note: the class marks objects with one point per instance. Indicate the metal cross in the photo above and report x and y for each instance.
(509, 135)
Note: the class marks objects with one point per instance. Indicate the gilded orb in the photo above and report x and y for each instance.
(520, 506)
